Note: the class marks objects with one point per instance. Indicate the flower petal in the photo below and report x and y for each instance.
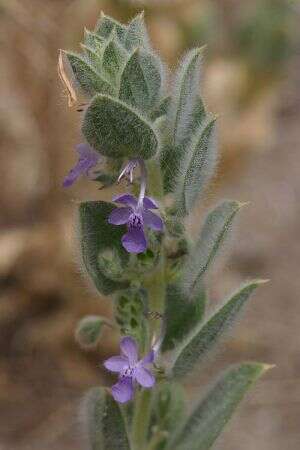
(116, 363)
(135, 241)
(88, 158)
(129, 349)
(149, 358)
(128, 199)
(71, 178)
(83, 150)
(144, 377)
(119, 216)
(150, 203)
(152, 220)
(122, 391)
(79, 169)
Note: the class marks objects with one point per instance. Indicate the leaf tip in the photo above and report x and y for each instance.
(266, 367)
(262, 281)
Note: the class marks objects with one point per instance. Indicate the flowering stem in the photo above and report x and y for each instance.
(141, 418)
(155, 283)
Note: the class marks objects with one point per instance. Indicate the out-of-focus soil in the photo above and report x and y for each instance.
(43, 373)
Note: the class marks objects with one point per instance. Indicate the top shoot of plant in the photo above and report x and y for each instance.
(150, 132)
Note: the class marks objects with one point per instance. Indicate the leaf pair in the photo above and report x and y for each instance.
(106, 428)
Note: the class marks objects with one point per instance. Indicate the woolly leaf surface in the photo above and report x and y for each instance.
(211, 415)
(208, 335)
(102, 253)
(116, 130)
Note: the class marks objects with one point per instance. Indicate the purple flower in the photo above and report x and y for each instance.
(136, 215)
(130, 370)
(88, 158)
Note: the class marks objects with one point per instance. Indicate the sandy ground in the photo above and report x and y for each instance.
(43, 374)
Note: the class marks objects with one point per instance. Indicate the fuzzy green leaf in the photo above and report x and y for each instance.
(89, 330)
(114, 57)
(92, 57)
(182, 314)
(161, 109)
(93, 40)
(141, 81)
(116, 130)
(196, 168)
(172, 155)
(136, 34)
(185, 94)
(87, 77)
(106, 25)
(208, 335)
(102, 253)
(104, 422)
(208, 419)
(213, 234)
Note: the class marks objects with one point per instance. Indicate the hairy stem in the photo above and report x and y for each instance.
(141, 418)
(155, 282)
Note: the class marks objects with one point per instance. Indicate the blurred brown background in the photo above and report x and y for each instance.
(251, 80)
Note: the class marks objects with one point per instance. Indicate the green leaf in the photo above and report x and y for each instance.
(102, 253)
(114, 57)
(141, 81)
(196, 168)
(105, 26)
(104, 422)
(213, 234)
(92, 40)
(172, 155)
(208, 335)
(185, 94)
(92, 57)
(86, 76)
(116, 130)
(182, 314)
(89, 330)
(211, 415)
(136, 34)
(161, 109)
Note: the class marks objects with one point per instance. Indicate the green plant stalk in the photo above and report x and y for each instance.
(155, 285)
(141, 418)
(156, 439)
(155, 282)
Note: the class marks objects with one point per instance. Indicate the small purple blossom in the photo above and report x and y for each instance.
(88, 158)
(130, 370)
(136, 215)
